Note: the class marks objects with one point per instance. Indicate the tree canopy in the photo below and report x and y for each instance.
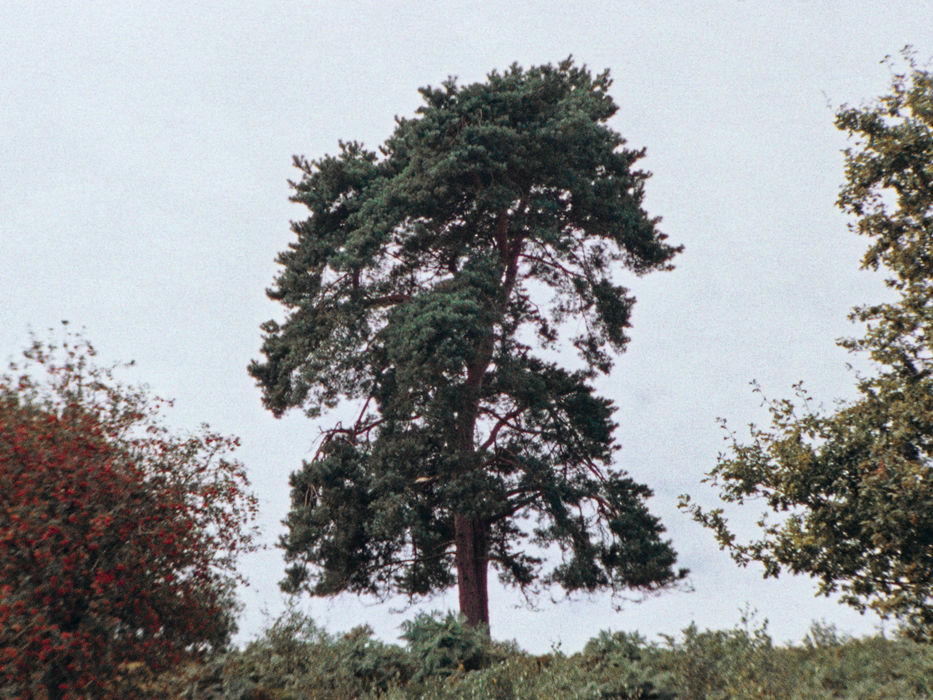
(118, 540)
(427, 288)
(856, 484)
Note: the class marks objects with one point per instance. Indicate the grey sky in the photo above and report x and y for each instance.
(144, 153)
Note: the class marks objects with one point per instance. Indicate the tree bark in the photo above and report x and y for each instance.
(471, 534)
(472, 564)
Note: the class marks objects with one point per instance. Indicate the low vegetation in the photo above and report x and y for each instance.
(118, 538)
(445, 659)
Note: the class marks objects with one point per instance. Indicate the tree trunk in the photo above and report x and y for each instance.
(472, 563)
(471, 533)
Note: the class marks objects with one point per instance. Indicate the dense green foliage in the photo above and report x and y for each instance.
(295, 660)
(420, 287)
(118, 540)
(445, 646)
(856, 484)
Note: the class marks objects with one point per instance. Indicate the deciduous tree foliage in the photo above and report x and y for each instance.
(857, 484)
(117, 539)
(419, 288)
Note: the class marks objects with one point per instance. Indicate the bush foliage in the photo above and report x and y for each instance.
(117, 539)
(444, 659)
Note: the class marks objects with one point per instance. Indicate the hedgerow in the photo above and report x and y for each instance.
(296, 660)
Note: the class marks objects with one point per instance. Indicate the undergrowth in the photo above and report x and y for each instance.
(444, 659)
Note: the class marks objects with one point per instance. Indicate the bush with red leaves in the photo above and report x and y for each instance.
(118, 540)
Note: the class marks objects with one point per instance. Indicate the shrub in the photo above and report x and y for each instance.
(872, 667)
(118, 540)
(442, 646)
(623, 665)
(730, 664)
(295, 659)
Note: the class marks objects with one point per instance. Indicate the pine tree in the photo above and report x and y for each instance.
(421, 285)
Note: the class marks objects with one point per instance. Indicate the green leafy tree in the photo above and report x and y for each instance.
(856, 484)
(415, 290)
(118, 540)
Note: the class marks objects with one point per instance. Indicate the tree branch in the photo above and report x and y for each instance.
(515, 507)
(387, 300)
(553, 264)
(502, 421)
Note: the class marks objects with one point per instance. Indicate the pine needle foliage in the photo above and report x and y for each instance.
(426, 278)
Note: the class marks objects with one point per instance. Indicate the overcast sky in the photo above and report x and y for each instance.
(145, 150)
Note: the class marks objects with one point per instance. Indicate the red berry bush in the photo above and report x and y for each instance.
(118, 539)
